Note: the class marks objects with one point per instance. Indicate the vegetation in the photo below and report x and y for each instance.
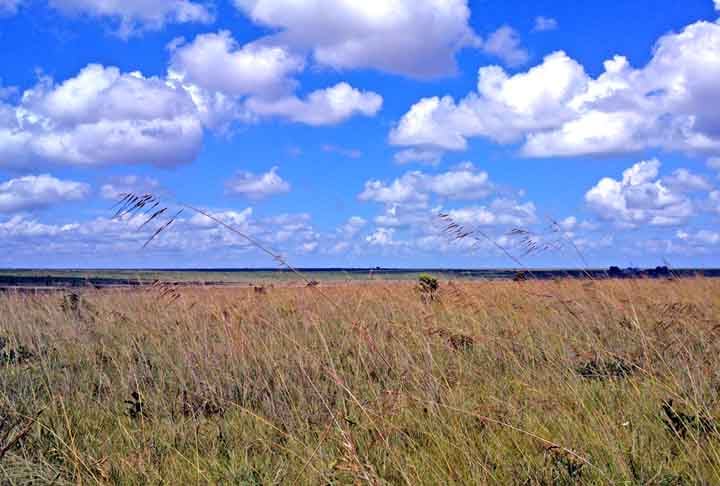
(552, 382)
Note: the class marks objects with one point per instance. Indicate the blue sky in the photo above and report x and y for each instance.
(337, 131)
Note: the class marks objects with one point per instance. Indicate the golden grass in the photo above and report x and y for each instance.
(564, 382)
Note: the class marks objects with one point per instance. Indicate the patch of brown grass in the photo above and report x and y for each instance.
(485, 384)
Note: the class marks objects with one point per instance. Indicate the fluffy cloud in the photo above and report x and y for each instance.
(641, 198)
(104, 116)
(134, 16)
(717, 4)
(216, 62)
(382, 237)
(352, 227)
(9, 7)
(700, 237)
(558, 110)
(499, 212)
(115, 189)
(322, 107)
(101, 116)
(257, 186)
(411, 37)
(505, 44)
(504, 108)
(191, 236)
(544, 24)
(33, 192)
(237, 219)
(462, 183)
(682, 180)
(19, 227)
(231, 82)
(413, 202)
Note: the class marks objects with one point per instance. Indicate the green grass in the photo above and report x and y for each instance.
(489, 383)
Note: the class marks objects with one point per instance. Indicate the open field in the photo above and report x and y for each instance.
(536, 382)
(104, 278)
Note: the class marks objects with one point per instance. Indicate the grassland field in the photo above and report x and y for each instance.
(528, 383)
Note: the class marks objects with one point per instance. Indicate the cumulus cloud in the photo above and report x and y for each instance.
(717, 5)
(504, 108)
(118, 186)
(544, 24)
(462, 183)
(216, 62)
(557, 109)
(640, 197)
(135, 16)
(382, 237)
(257, 186)
(411, 37)
(321, 107)
(229, 82)
(682, 180)
(38, 191)
(701, 237)
(352, 227)
(237, 219)
(101, 116)
(413, 202)
(108, 240)
(499, 212)
(505, 44)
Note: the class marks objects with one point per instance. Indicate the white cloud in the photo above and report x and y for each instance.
(322, 107)
(568, 224)
(500, 212)
(190, 236)
(717, 4)
(640, 198)
(33, 192)
(558, 110)
(352, 227)
(9, 7)
(135, 16)
(230, 82)
(504, 108)
(682, 180)
(700, 237)
(505, 44)
(416, 187)
(411, 37)
(544, 24)
(216, 62)
(257, 186)
(101, 116)
(382, 237)
(236, 219)
(20, 227)
(714, 163)
(118, 186)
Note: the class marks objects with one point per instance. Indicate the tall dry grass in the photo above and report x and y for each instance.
(566, 382)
